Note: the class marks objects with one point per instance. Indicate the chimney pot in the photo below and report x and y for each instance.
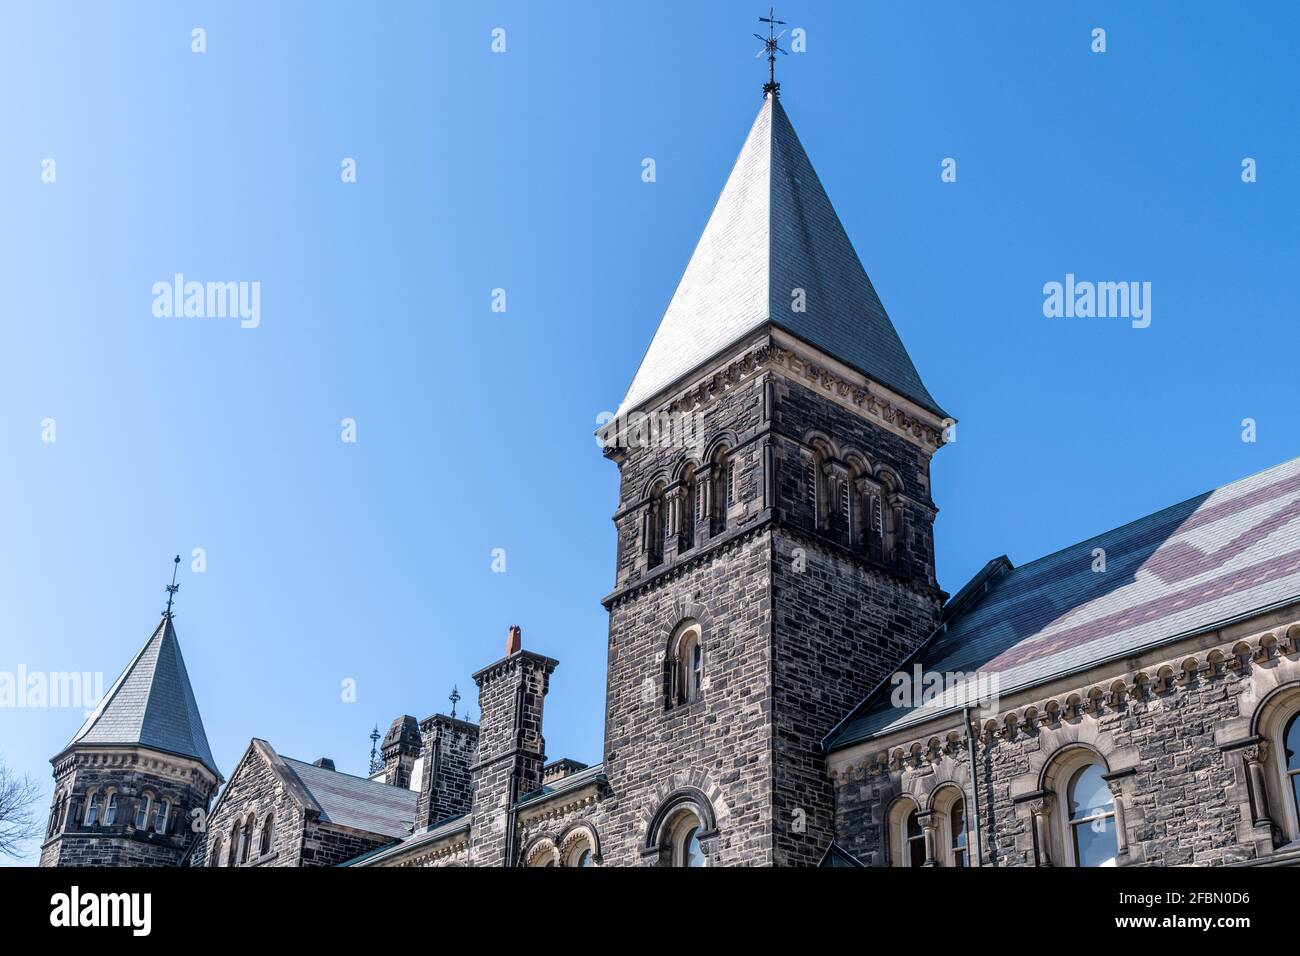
(515, 641)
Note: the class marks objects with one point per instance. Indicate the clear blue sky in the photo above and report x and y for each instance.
(521, 170)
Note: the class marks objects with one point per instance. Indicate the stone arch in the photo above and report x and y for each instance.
(684, 798)
(683, 682)
(897, 813)
(541, 852)
(575, 833)
(1052, 821)
(724, 441)
(686, 462)
(659, 481)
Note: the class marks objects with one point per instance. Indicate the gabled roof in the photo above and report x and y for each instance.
(356, 802)
(772, 231)
(838, 857)
(573, 781)
(151, 704)
(457, 823)
(1219, 557)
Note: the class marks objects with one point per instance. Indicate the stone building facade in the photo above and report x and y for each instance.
(787, 683)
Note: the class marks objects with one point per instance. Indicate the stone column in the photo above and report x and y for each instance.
(929, 827)
(1042, 812)
(1255, 756)
(704, 488)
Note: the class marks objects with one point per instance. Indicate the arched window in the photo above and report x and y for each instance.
(888, 516)
(542, 855)
(268, 834)
(685, 842)
(957, 835)
(162, 812)
(915, 840)
(691, 663)
(110, 808)
(91, 815)
(686, 665)
(56, 812)
(245, 838)
(578, 848)
(948, 808)
(656, 526)
(852, 503)
(216, 853)
(1092, 818)
(232, 853)
(816, 486)
(1291, 748)
(142, 806)
(724, 487)
(689, 504)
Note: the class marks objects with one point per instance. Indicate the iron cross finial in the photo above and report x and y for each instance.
(771, 46)
(376, 764)
(454, 696)
(173, 587)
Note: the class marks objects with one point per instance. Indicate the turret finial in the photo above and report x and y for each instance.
(771, 47)
(173, 587)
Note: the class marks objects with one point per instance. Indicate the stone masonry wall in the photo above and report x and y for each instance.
(130, 772)
(1176, 751)
(447, 787)
(256, 789)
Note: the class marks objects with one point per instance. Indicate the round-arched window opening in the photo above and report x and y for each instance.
(915, 840)
(957, 830)
(686, 848)
(1092, 818)
(1291, 741)
(578, 852)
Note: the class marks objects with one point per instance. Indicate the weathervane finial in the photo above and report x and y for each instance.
(376, 765)
(454, 696)
(173, 587)
(771, 46)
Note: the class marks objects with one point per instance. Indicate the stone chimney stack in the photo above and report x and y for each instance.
(400, 748)
(511, 750)
(447, 778)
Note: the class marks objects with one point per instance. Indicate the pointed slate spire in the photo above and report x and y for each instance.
(151, 704)
(772, 231)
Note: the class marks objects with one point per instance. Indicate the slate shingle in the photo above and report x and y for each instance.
(1195, 565)
(774, 230)
(151, 704)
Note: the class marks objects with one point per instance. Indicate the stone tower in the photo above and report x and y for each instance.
(126, 787)
(775, 548)
(510, 751)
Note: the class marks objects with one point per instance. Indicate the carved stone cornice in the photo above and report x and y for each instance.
(869, 398)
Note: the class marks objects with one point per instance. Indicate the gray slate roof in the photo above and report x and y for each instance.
(1197, 565)
(357, 802)
(573, 781)
(774, 230)
(151, 704)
